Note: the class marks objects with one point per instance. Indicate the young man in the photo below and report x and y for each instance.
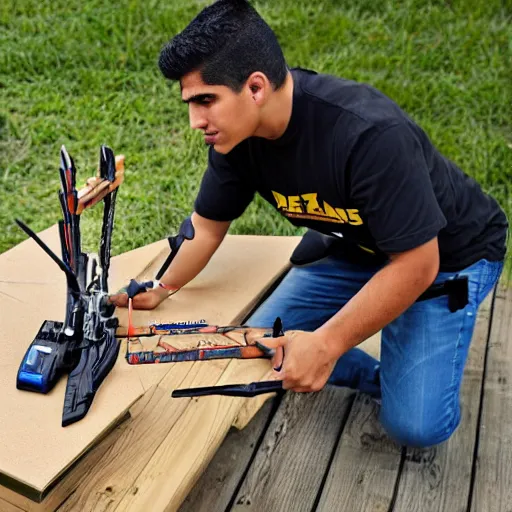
(388, 217)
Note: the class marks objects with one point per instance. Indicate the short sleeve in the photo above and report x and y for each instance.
(225, 192)
(391, 185)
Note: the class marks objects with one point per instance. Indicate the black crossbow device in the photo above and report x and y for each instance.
(84, 346)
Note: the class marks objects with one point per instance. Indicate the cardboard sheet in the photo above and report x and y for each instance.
(34, 448)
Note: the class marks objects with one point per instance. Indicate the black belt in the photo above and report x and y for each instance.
(456, 289)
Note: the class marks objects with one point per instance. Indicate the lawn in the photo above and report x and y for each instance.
(83, 73)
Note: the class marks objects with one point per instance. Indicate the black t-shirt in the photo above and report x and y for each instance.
(353, 165)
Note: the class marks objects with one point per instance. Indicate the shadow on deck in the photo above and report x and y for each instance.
(327, 451)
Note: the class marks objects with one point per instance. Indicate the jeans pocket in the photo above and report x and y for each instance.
(488, 278)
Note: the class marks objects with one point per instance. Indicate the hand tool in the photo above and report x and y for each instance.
(246, 390)
(277, 331)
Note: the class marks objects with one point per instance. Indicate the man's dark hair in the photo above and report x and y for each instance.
(226, 42)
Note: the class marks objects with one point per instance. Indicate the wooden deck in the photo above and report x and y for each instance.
(326, 451)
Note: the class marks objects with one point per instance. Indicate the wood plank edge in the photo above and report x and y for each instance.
(249, 409)
(265, 293)
(111, 427)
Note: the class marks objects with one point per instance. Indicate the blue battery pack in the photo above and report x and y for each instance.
(39, 369)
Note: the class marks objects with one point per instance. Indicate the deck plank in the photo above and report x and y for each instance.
(191, 443)
(104, 485)
(216, 487)
(5, 506)
(151, 441)
(365, 467)
(439, 478)
(493, 476)
(294, 455)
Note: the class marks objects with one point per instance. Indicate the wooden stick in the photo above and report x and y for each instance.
(97, 188)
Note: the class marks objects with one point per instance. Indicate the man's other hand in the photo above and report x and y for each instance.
(307, 363)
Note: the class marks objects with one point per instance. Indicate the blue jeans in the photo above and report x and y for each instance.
(423, 351)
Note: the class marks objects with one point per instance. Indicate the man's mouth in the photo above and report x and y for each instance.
(210, 138)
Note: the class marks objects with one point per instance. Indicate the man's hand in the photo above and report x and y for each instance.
(146, 300)
(308, 362)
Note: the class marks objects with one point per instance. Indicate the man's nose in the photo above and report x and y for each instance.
(197, 120)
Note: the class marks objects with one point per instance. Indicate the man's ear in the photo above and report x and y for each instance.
(259, 87)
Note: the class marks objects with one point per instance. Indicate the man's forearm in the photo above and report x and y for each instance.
(190, 259)
(194, 254)
(385, 297)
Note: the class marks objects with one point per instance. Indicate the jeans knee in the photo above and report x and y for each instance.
(406, 430)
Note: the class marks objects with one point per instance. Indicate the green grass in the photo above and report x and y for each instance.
(83, 73)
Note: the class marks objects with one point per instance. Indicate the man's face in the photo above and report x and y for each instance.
(225, 117)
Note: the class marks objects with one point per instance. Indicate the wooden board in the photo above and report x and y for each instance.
(221, 294)
(439, 478)
(66, 486)
(289, 466)
(168, 439)
(493, 478)
(8, 507)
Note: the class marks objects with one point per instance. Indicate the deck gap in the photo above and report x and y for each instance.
(481, 405)
(333, 453)
(275, 406)
(403, 456)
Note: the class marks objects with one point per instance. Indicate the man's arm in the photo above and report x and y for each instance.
(384, 298)
(191, 258)
(311, 356)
